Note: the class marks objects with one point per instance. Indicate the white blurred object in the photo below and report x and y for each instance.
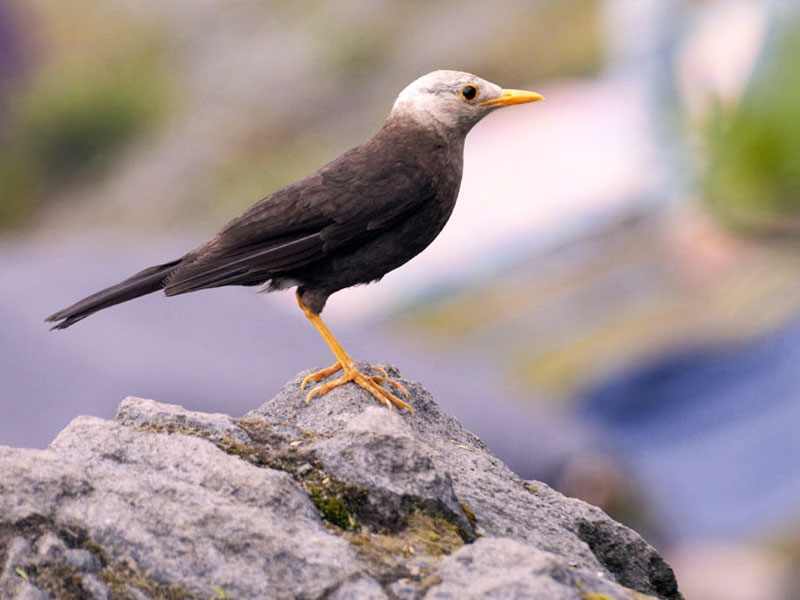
(638, 32)
(720, 52)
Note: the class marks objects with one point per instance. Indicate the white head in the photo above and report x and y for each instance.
(455, 101)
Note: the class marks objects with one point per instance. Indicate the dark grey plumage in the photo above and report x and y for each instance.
(366, 213)
(357, 218)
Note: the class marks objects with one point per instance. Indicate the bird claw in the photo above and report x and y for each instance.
(371, 384)
(384, 378)
(320, 375)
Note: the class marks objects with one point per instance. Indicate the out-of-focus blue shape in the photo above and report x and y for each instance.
(711, 434)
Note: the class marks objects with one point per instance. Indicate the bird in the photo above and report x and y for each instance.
(362, 215)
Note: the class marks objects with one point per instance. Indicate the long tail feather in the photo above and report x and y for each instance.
(145, 282)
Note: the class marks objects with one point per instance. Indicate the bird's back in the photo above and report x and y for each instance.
(358, 217)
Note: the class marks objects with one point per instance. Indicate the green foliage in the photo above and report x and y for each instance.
(753, 174)
(332, 508)
(73, 125)
(76, 126)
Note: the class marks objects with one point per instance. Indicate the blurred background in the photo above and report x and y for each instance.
(614, 306)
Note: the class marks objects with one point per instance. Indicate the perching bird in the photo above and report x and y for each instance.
(366, 213)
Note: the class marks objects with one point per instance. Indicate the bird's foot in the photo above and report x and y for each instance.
(320, 375)
(384, 378)
(371, 383)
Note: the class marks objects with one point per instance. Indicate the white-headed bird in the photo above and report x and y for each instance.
(366, 213)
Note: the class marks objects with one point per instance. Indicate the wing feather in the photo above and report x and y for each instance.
(354, 198)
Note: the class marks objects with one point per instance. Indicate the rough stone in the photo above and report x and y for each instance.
(363, 588)
(155, 416)
(504, 568)
(339, 498)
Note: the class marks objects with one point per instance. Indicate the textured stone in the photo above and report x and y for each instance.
(187, 514)
(428, 444)
(504, 568)
(339, 499)
(363, 588)
(156, 416)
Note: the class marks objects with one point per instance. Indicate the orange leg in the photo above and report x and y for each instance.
(350, 371)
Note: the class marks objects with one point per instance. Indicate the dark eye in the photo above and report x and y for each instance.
(469, 92)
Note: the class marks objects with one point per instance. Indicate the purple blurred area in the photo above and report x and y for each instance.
(613, 306)
(221, 352)
(13, 56)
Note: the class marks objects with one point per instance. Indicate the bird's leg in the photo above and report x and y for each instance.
(351, 372)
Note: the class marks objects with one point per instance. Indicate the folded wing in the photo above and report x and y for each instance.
(349, 201)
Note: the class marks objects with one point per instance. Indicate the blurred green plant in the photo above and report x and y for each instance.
(752, 179)
(72, 127)
(72, 122)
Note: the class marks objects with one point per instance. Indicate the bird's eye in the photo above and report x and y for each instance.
(469, 92)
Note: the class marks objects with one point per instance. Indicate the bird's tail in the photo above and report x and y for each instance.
(145, 282)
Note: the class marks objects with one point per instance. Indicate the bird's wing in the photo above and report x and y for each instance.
(349, 201)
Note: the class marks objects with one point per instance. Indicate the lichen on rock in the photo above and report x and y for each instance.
(338, 498)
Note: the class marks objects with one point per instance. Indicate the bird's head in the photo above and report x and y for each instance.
(455, 101)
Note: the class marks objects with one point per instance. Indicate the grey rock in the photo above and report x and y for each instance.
(339, 499)
(18, 553)
(405, 589)
(135, 594)
(363, 588)
(501, 568)
(94, 588)
(429, 452)
(377, 450)
(168, 418)
(187, 514)
(51, 547)
(82, 560)
(26, 591)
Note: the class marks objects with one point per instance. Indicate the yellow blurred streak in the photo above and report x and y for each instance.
(756, 297)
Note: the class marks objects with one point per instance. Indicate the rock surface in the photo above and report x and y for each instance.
(338, 499)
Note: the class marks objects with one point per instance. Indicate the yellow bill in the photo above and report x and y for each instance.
(511, 97)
